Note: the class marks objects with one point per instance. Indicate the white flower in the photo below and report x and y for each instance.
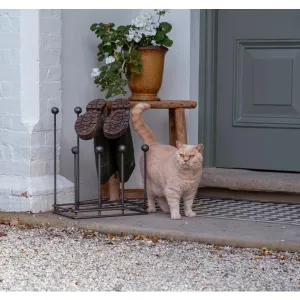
(146, 15)
(137, 39)
(156, 25)
(153, 32)
(142, 20)
(95, 72)
(109, 60)
(130, 37)
(149, 27)
(139, 22)
(154, 43)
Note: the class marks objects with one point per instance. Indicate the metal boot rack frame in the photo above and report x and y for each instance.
(97, 208)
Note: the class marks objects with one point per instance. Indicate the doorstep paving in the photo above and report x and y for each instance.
(218, 230)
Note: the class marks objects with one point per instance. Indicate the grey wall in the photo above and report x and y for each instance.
(79, 57)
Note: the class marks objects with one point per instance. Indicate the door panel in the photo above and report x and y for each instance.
(258, 90)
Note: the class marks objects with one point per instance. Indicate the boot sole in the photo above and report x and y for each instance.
(118, 121)
(88, 123)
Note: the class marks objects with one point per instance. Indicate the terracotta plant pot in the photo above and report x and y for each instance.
(145, 86)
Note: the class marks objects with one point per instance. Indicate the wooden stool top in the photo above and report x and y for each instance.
(164, 104)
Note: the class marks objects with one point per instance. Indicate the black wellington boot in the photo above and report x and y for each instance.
(108, 161)
(116, 128)
(129, 160)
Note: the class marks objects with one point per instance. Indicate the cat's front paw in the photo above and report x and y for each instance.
(151, 209)
(190, 214)
(175, 216)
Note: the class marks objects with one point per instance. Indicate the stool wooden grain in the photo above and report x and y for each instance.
(177, 131)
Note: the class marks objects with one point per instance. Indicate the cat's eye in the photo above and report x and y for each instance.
(192, 156)
(181, 155)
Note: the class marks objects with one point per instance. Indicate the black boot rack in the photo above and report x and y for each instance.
(100, 207)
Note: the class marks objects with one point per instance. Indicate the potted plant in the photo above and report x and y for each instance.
(134, 56)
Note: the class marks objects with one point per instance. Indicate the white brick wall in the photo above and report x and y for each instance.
(30, 85)
(50, 89)
(10, 153)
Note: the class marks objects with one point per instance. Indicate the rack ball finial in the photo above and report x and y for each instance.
(99, 149)
(75, 150)
(122, 148)
(78, 110)
(145, 148)
(55, 110)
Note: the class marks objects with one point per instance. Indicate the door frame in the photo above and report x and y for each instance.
(208, 84)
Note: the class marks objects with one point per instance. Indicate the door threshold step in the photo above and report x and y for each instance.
(251, 185)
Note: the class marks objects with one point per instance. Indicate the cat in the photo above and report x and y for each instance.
(173, 173)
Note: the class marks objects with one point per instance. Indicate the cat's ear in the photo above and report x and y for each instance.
(179, 144)
(200, 148)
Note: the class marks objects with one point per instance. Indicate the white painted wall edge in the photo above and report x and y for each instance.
(29, 67)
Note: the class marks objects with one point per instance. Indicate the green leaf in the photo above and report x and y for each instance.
(166, 27)
(93, 27)
(167, 42)
(115, 65)
(159, 35)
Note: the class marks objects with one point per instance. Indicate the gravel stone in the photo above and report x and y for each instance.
(55, 259)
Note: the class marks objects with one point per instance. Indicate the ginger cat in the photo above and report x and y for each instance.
(173, 173)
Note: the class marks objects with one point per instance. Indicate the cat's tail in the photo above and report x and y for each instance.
(139, 125)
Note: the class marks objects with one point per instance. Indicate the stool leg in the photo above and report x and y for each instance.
(172, 127)
(114, 187)
(180, 125)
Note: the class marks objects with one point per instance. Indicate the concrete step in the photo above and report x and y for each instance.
(251, 185)
(204, 229)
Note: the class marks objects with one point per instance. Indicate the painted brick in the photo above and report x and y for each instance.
(52, 13)
(5, 57)
(50, 89)
(10, 90)
(18, 203)
(15, 138)
(6, 152)
(50, 25)
(42, 153)
(53, 102)
(9, 106)
(38, 138)
(49, 57)
(14, 168)
(38, 168)
(5, 89)
(10, 12)
(18, 125)
(21, 153)
(9, 24)
(12, 123)
(10, 73)
(5, 202)
(50, 41)
(42, 168)
(50, 137)
(9, 40)
(50, 73)
(46, 122)
(16, 152)
(5, 122)
(15, 54)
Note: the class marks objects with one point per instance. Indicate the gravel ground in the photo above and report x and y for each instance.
(52, 259)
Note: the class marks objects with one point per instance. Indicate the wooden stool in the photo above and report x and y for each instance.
(177, 131)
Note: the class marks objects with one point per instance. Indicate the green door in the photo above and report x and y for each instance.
(258, 89)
